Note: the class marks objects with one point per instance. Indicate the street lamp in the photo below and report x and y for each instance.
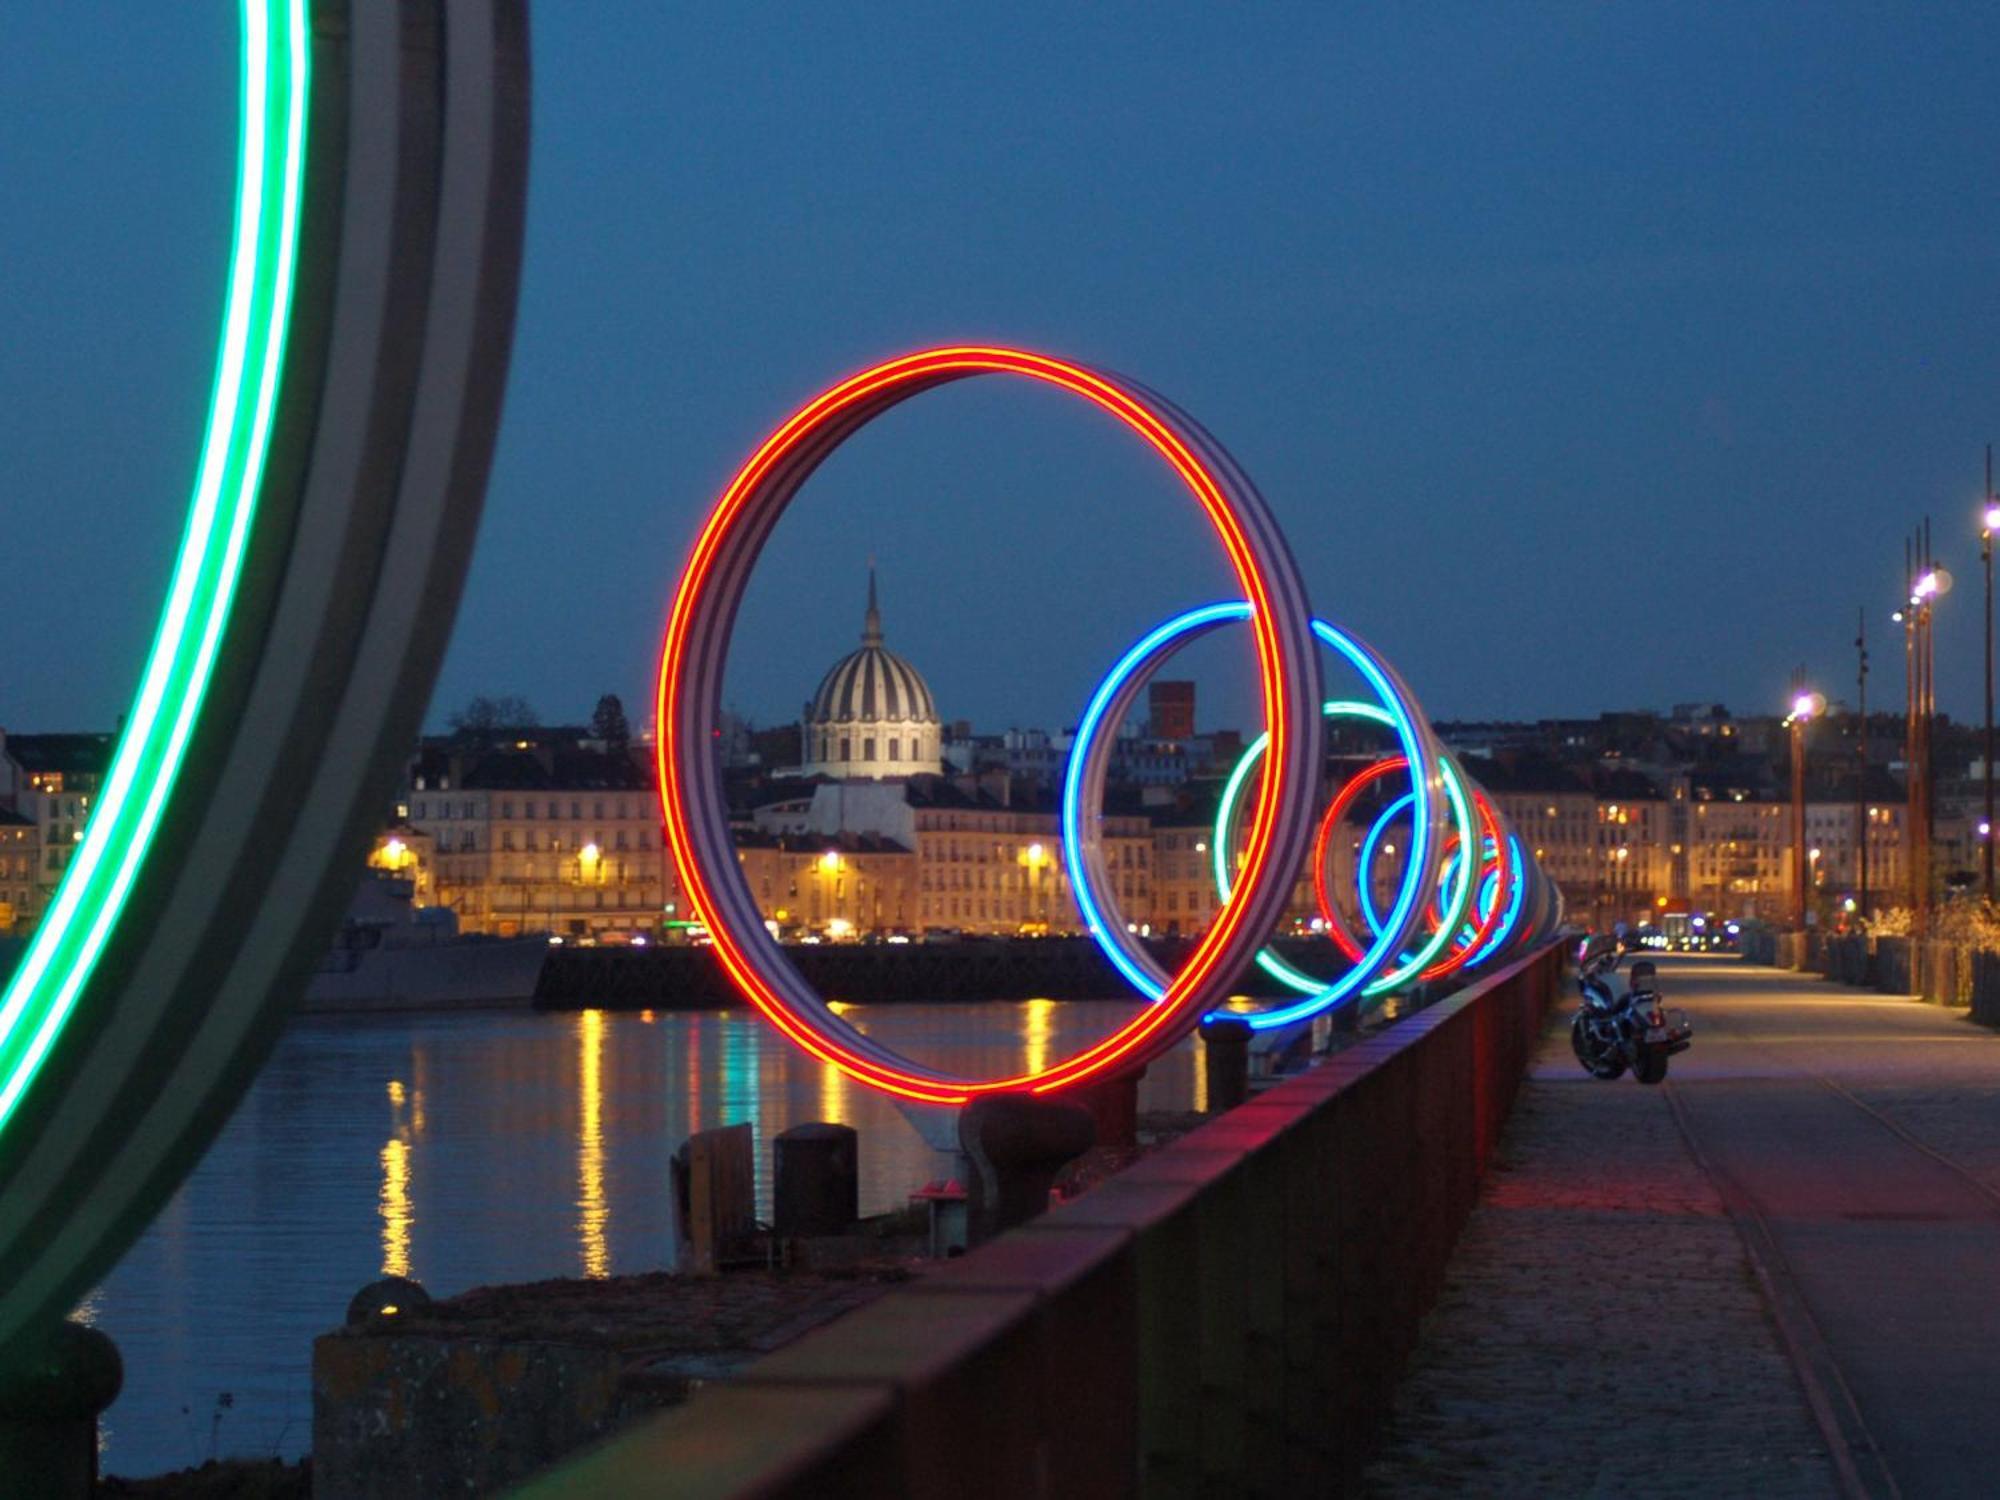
(1806, 706)
(1929, 586)
(1992, 524)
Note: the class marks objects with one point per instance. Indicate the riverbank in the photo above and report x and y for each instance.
(671, 979)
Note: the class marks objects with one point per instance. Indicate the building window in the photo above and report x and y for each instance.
(868, 748)
(895, 749)
(845, 745)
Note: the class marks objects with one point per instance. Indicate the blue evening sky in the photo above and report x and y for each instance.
(1593, 355)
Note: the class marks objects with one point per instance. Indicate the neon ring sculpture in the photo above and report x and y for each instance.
(1454, 890)
(1089, 761)
(382, 162)
(1372, 975)
(1485, 906)
(697, 638)
(1505, 892)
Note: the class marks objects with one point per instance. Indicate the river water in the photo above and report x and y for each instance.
(470, 1149)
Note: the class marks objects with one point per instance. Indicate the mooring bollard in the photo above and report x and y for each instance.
(1225, 1047)
(1114, 1109)
(50, 1397)
(1017, 1143)
(816, 1180)
(391, 1297)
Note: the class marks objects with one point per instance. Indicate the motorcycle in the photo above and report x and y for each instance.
(1621, 1023)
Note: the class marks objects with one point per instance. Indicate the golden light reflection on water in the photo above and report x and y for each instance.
(832, 1094)
(394, 1206)
(1037, 1030)
(593, 1208)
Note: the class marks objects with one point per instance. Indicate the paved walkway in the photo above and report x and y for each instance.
(1796, 1239)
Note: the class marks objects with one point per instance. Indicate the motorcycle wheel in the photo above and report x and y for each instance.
(1651, 1067)
(1606, 1065)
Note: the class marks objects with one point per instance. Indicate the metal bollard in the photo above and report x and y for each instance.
(391, 1297)
(1017, 1143)
(1114, 1109)
(816, 1180)
(1225, 1047)
(50, 1397)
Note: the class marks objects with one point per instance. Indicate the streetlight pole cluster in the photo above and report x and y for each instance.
(1927, 583)
(1924, 583)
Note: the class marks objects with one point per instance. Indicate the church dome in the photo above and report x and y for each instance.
(873, 714)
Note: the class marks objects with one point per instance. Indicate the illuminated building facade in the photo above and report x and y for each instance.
(51, 780)
(543, 835)
(850, 885)
(20, 870)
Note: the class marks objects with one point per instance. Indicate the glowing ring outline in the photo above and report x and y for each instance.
(1413, 967)
(695, 643)
(1367, 967)
(39, 997)
(1463, 943)
(1517, 889)
(1082, 784)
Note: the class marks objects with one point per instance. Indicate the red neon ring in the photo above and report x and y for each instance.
(712, 584)
(1337, 928)
(1335, 811)
(1489, 825)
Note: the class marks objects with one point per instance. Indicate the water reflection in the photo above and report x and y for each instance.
(395, 1207)
(516, 1147)
(593, 1209)
(1037, 1031)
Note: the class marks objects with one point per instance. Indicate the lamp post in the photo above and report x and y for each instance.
(1805, 706)
(1861, 761)
(1991, 524)
(1932, 584)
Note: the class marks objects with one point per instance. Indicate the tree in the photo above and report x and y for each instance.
(607, 723)
(483, 715)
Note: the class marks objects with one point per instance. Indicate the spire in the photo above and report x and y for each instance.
(871, 625)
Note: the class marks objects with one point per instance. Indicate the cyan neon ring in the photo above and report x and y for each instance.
(1463, 942)
(1083, 787)
(361, 361)
(1516, 890)
(1414, 966)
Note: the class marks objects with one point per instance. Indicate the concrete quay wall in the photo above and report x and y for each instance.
(1228, 1316)
(676, 978)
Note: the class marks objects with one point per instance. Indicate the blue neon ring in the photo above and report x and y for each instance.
(1155, 643)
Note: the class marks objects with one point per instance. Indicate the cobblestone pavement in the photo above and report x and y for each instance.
(1601, 1331)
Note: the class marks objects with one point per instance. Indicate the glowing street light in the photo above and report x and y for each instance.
(1992, 520)
(1806, 706)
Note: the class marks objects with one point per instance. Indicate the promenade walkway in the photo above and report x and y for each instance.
(1776, 1275)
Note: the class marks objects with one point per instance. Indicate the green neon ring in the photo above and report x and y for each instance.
(271, 149)
(1461, 888)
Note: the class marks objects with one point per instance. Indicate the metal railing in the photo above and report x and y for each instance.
(1227, 1315)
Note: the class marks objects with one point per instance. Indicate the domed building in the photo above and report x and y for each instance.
(873, 715)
